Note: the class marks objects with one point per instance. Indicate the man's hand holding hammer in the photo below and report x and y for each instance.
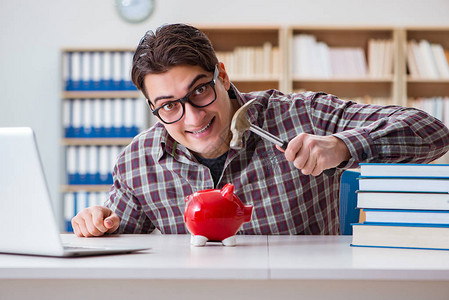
(313, 154)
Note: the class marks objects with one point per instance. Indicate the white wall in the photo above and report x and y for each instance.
(32, 33)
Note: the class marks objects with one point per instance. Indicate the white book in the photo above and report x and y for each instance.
(66, 113)
(107, 65)
(360, 59)
(403, 200)
(419, 59)
(324, 60)
(117, 66)
(104, 162)
(75, 63)
(409, 236)
(77, 113)
(129, 115)
(127, 65)
(117, 119)
(97, 113)
(81, 201)
(276, 65)
(96, 66)
(446, 111)
(114, 152)
(141, 112)
(388, 70)
(404, 184)
(87, 115)
(83, 162)
(66, 66)
(371, 58)
(438, 110)
(71, 160)
(406, 216)
(404, 170)
(107, 113)
(86, 73)
(93, 160)
(92, 199)
(429, 60)
(411, 62)
(69, 206)
(266, 54)
(440, 60)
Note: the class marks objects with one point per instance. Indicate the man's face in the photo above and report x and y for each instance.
(205, 131)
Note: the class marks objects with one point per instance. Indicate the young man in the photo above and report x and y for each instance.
(188, 89)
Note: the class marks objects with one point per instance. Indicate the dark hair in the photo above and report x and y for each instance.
(169, 46)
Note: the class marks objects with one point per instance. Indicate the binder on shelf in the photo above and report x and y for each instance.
(71, 162)
(104, 167)
(89, 165)
(98, 70)
(103, 118)
(69, 210)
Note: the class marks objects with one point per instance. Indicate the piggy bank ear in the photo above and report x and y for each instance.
(228, 191)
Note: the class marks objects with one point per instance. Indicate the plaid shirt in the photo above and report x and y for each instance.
(154, 174)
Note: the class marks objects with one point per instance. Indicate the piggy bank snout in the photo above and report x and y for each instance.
(247, 212)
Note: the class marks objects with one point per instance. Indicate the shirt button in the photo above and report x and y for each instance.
(364, 156)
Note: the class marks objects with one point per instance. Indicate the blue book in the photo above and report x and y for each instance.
(396, 235)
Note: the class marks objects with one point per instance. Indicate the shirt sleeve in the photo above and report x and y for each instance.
(127, 207)
(374, 133)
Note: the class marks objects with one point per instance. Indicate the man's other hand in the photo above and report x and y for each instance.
(95, 221)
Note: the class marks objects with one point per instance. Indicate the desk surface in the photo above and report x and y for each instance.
(254, 257)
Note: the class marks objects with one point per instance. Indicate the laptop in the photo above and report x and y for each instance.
(27, 220)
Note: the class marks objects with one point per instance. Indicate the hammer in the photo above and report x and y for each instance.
(240, 124)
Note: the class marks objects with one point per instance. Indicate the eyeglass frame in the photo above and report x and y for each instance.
(185, 99)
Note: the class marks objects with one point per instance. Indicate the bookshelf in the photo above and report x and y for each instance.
(101, 112)
(425, 85)
(358, 63)
(425, 69)
(253, 55)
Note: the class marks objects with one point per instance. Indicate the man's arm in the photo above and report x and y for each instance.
(350, 133)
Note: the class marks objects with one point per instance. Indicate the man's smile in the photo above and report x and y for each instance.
(202, 130)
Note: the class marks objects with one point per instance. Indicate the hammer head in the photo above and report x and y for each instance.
(239, 125)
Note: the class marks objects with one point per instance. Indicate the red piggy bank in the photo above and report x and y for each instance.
(215, 215)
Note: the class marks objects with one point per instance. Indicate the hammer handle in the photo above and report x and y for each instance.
(283, 144)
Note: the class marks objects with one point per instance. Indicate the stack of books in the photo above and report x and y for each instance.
(406, 206)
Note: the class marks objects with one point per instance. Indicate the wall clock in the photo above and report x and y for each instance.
(134, 11)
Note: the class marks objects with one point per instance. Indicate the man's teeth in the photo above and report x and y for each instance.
(202, 130)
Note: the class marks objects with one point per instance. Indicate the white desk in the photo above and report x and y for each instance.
(260, 267)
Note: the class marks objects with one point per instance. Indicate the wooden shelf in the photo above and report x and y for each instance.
(100, 94)
(343, 79)
(428, 80)
(86, 188)
(96, 141)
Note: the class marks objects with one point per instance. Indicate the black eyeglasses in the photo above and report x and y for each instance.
(202, 96)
